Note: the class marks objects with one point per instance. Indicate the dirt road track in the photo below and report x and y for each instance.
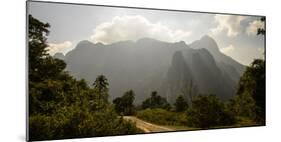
(146, 126)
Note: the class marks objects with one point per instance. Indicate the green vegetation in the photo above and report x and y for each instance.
(250, 98)
(208, 111)
(124, 105)
(181, 105)
(61, 106)
(261, 31)
(162, 117)
(156, 101)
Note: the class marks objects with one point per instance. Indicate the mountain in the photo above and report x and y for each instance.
(151, 65)
(230, 66)
(195, 71)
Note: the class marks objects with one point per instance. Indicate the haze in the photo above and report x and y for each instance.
(235, 35)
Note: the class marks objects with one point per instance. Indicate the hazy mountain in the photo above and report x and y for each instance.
(232, 67)
(147, 65)
(196, 72)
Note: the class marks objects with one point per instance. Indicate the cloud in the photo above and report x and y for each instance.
(227, 49)
(243, 54)
(122, 28)
(253, 27)
(229, 24)
(58, 47)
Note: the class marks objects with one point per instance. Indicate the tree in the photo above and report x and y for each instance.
(100, 92)
(250, 99)
(155, 101)
(252, 83)
(37, 32)
(60, 105)
(208, 111)
(243, 106)
(181, 104)
(124, 105)
(44, 89)
(261, 30)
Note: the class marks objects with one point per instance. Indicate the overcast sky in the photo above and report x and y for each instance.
(235, 35)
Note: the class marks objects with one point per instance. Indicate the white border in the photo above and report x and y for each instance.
(12, 79)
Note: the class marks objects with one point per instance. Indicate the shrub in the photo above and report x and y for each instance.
(161, 116)
(208, 111)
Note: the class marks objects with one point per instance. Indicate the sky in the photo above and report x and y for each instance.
(234, 34)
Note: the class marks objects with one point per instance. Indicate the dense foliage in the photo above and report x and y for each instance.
(155, 101)
(162, 116)
(208, 111)
(250, 98)
(61, 106)
(124, 105)
(180, 104)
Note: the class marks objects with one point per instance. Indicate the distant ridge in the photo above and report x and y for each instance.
(148, 65)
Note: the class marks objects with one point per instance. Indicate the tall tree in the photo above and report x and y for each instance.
(37, 43)
(99, 97)
(181, 104)
(250, 99)
(59, 105)
(253, 82)
(101, 87)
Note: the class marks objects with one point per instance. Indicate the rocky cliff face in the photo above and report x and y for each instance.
(150, 65)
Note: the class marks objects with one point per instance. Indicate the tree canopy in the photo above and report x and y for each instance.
(124, 105)
(252, 83)
(61, 106)
(155, 101)
(208, 111)
(180, 104)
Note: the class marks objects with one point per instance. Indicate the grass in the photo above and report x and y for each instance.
(162, 117)
(178, 121)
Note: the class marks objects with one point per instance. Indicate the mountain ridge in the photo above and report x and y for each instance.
(148, 65)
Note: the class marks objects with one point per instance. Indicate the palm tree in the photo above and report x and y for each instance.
(101, 86)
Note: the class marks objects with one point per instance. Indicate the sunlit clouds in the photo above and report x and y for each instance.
(58, 47)
(122, 28)
(229, 24)
(253, 26)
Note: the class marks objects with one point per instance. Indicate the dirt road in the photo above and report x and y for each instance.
(146, 126)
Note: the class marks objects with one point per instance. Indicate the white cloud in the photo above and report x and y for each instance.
(58, 47)
(229, 24)
(253, 26)
(227, 49)
(122, 28)
(243, 54)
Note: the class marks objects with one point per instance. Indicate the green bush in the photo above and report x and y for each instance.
(180, 104)
(208, 111)
(72, 122)
(162, 116)
(124, 105)
(156, 101)
(40, 127)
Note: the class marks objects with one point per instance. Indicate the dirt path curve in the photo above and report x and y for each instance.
(146, 126)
